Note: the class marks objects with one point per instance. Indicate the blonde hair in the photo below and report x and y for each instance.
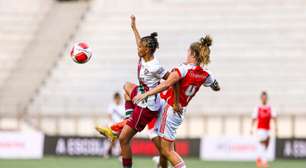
(201, 50)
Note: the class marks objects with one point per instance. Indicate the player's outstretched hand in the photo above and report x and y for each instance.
(133, 21)
(140, 97)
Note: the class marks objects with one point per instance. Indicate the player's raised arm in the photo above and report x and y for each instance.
(135, 31)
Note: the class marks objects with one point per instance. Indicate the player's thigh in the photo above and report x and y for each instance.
(156, 141)
(166, 146)
(128, 88)
(126, 134)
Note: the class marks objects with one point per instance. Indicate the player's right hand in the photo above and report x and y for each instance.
(177, 108)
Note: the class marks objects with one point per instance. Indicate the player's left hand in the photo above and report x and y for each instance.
(138, 98)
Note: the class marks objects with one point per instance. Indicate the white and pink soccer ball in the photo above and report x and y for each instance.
(81, 53)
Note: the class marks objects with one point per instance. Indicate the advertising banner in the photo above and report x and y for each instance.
(294, 148)
(19, 145)
(233, 148)
(74, 146)
(185, 147)
(97, 146)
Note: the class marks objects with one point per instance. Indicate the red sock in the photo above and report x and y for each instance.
(127, 163)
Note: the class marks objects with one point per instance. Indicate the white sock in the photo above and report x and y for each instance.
(180, 165)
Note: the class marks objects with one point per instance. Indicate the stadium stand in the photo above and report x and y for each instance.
(243, 36)
(40, 54)
(258, 45)
(19, 24)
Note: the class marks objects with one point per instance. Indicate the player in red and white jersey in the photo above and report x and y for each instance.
(182, 84)
(263, 115)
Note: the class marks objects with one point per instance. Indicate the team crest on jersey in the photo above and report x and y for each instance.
(146, 71)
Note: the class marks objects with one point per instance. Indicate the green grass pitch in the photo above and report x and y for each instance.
(83, 162)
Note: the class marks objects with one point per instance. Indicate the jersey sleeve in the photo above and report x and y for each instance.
(255, 113)
(209, 80)
(181, 70)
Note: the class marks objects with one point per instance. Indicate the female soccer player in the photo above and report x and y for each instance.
(187, 78)
(150, 72)
(263, 114)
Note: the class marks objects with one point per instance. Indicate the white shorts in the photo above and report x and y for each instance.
(262, 134)
(168, 122)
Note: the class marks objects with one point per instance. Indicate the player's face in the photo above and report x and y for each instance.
(142, 50)
(117, 100)
(264, 99)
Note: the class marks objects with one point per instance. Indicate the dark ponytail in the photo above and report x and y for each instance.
(151, 42)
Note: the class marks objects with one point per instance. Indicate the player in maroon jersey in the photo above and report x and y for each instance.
(186, 79)
(263, 114)
(149, 73)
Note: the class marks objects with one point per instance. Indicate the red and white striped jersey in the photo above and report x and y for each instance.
(192, 77)
(263, 114)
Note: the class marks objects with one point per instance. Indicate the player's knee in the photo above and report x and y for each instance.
(126, 97)
(127, 86)
(123, 141)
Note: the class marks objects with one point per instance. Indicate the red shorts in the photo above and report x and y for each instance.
(140, 116)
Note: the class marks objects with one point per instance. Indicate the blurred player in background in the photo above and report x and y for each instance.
(185, 79)
(263, 114)
(116, 113)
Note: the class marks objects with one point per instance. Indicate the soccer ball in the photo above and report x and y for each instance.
(80, 53)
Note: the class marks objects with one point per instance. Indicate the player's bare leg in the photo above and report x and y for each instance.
(125, 138)
(163, 162)
(262, 162)
(167, 150)
(265, 144)
(127, 133)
